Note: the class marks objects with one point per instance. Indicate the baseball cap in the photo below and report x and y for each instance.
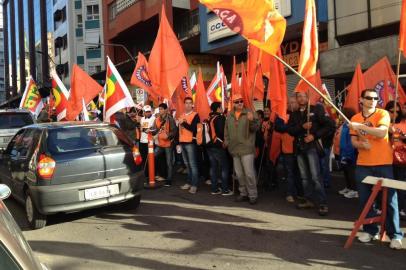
(237, 97)
(147, 108)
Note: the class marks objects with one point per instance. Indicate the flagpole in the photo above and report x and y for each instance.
(397, 86)
(313, 87)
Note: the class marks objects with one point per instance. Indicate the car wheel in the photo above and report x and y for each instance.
(132, 204)
(34, 218)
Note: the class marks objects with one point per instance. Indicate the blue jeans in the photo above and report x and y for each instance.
(169, 160)
(364, 191)
(295, 187)
(325, 167)
(189, 154)
(218, 160)
(309, 167)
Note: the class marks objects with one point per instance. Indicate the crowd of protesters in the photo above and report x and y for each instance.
(238, 144)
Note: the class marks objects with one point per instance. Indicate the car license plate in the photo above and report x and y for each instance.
(101, 192)
(6, 139)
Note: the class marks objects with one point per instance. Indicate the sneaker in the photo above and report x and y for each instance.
(167, 184)
(290, 199)
(306, 204)
(351, 194)
(396, 244)
(208, 182)
(217, 192)
(227, 193)
(402, 214)
(159, 178)
(193, 190)
(185, 187)
(323, 210)
(253, 201)
(344, 191)
(366, 237)
(241, 198)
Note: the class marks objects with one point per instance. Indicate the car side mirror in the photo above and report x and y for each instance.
(5, 191)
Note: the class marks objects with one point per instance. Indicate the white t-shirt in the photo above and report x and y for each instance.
(146, 123)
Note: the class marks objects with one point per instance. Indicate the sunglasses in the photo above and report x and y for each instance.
(392, 111)
(371, 98)
(239, 102)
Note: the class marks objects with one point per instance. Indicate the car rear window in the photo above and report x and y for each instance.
(78, 138)
(15, 120)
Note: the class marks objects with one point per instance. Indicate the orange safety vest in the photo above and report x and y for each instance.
(287, 142)
(186, 136)
(163, 140)
(213, 135)
(336, 141)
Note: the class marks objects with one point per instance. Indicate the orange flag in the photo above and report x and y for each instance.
(83, 87)
(258, 21)
(314, 97)
(254, 55)
(402, 32)
(140, 77)
(235, 87)
(309, 53)
(277, 92)
(355, 89)
(178, 98)
(202, 106)
(382, 78)
(167, 62)
(245, 89)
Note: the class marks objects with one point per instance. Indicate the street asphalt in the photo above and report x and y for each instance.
(173, 229)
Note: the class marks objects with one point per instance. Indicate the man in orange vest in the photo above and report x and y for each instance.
(187, 138)
(215, 149)
(165, 128)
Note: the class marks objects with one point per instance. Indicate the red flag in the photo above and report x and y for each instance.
(254, 59)
(354, 90)
(309, 53)
(141, 78)
(402, 32)
(31, 99)
(245, 89)
(167, 62)
(235, 87)
(178, 98)
(277, 92)
(382, 78)
(276, 146)
(82, 87)
(202, 106)
(216, 87)
(117, 94)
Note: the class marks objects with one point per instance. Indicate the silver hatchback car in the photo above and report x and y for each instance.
(15, 253)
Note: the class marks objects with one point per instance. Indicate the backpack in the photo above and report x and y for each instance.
(202, 134)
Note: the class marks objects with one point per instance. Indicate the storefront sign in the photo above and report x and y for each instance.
(216, 29)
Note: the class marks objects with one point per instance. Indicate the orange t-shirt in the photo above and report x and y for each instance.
(381, 150)
(237, 115)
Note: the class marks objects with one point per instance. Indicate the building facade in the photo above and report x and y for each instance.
(78, 32)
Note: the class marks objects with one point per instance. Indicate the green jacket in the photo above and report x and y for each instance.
(239, 135)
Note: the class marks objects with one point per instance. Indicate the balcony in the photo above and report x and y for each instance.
(119, 6)
(187, 26)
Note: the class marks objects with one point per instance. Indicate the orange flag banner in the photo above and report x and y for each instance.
(382, 78)
(140, 77)
(277, 92)
(402, 32)
(245, 89)
(254, 55)
(315, 79)
(202, 106)
(178, 98)
(258, 21)
(83, 87)
(167, 62)
(355, 89)
(309, 53)
(235, 87)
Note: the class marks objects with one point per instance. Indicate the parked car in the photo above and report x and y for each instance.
(15, 253)
(11, 120)
(71, 166)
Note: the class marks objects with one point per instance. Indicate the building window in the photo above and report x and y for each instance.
(92, 12)
(92, 53)
(79, 21)
(80, 60)
(78, 4)
(94, 69)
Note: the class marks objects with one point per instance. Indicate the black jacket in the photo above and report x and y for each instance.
(322, 126)
(219, 123)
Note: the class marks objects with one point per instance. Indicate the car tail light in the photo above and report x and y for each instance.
(46, 166)
(137, 156)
